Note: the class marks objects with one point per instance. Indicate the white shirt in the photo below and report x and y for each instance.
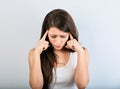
(64, 76)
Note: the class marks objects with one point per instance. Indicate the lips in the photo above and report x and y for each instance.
(56, 46)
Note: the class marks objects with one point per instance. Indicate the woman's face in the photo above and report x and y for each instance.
(57, 38)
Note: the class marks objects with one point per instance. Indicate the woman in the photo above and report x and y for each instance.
(58, 61)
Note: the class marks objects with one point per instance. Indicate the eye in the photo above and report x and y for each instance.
(62, 36)
(53, 36)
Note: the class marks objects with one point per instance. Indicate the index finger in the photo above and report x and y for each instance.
(44, 36)
(71, 37)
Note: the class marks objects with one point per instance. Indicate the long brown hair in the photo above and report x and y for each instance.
(60, 19)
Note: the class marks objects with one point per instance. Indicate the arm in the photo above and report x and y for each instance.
(81, 72)
(35, 75)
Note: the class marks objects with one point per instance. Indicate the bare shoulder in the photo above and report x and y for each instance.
(30, 55)
(85, 50)
(31, 51)
(86, 53)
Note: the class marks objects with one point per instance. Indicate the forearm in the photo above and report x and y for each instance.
(36, 77)
(81, 72)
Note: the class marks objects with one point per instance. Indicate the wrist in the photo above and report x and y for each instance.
(37, 52)
(80, 50)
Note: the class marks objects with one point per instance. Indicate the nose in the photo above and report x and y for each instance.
(58, 41)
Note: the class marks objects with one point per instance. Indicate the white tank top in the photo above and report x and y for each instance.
(64, 76)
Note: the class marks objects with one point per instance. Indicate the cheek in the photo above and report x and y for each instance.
(51, 40)
(65, 40)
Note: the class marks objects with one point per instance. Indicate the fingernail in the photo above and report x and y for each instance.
(73, 47)
(43, 48)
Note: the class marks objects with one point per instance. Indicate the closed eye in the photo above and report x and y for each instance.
(62, 36)
(53, 36)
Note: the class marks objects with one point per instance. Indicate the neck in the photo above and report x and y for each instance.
(62, 57)
(61, 52)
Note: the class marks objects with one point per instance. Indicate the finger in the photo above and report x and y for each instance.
(71, 37)
(44, 36)
(73, 47)
(66, 46)
(44, 48)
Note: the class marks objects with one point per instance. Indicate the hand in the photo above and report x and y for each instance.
(42, 44)
(74, 44)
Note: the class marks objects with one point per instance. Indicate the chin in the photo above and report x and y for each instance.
(63, 49)
(58, 49)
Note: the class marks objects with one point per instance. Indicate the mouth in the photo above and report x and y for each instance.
(56, 46)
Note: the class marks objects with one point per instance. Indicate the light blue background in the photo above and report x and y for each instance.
(98, 22)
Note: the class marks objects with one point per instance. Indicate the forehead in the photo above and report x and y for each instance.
(56, 31)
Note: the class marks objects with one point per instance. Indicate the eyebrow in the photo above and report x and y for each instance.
(60, 35)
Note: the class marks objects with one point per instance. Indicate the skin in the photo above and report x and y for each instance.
(58, 39)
